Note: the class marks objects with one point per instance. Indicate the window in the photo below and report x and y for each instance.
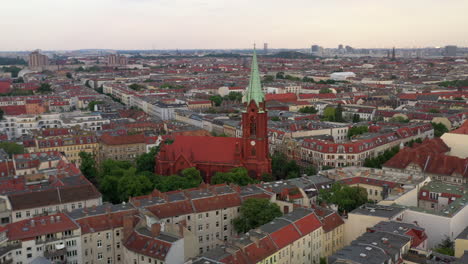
(200, 227)
(107, 235)
(207, 226)
(117, 245)
(225, 227)
(99, 243)
(200, 216)
(99, 256)
(225, 216)
(117, 233)
(29, 255)
(28, 214)
(108, 247)
(109, 260)
(200, 239)
(207, 214)
(18, 214)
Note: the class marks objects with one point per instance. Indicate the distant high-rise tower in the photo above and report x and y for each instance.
(340, 47)
(451, 51)
(265, 48)
(315, 48)
(393, 54)
(37, 59)
(115, 60)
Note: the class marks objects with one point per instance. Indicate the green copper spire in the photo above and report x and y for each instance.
(254, 91)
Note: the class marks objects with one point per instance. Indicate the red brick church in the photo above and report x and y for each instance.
(220, 154)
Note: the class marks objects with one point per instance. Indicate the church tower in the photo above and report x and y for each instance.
(255, 154)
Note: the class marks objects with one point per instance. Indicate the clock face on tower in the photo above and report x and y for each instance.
(252, 143)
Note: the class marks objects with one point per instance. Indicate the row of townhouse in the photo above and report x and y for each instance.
(150, 103)
(327, 153)
(43, 183)
(293, 238)
(171, 227)
(23, 125)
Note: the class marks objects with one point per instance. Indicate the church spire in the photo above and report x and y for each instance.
(254, 91)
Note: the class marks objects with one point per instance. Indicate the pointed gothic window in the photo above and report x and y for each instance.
(253, 127)
(253, 152)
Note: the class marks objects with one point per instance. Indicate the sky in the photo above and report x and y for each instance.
(230, 24)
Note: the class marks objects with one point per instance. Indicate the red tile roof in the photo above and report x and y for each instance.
(203, 149)
(27, 230)
(123, 140)
(463, 129)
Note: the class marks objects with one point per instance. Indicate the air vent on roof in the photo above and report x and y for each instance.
(368, 248)
(362, 255)
(374, 243)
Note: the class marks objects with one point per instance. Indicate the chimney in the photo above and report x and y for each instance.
(33, 224)
(155, 229)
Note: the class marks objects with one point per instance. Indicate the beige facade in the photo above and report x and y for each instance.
(121, 152)
(458, 144)
(104, 246)
(333, 241)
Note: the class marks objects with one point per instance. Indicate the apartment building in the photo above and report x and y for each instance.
(68, 141)
(121, 147)
(54, 237)
(293, 238)
(376, 247)
(327, 153)
(102, 232)
(208, 212)
(367, 216)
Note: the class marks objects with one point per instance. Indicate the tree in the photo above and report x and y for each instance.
(190, 178)
(146, 161)
(308, 79)
(254, 213)
(339, 113)
(399, 119)
(311, 170)
(308, 110)
(439, 129)
(275, 118)
(1, 113)
(12, 148)
(92, 104)
(329, 114)
(280, 75)
(88, 166)
(13, 70)
(237, 176)
(136, 87)
(356, 118)
(434, 110)
(446, 247)
(267, 177)
(378, 161)
(268, 78)
(357, 130)
(216, 99)
(133, 184)
(282, 168)
(325, 90)
(234, 96)
(345, 197)
(69, 75)
(44, 88)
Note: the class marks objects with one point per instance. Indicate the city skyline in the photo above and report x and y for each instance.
(208, 24)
